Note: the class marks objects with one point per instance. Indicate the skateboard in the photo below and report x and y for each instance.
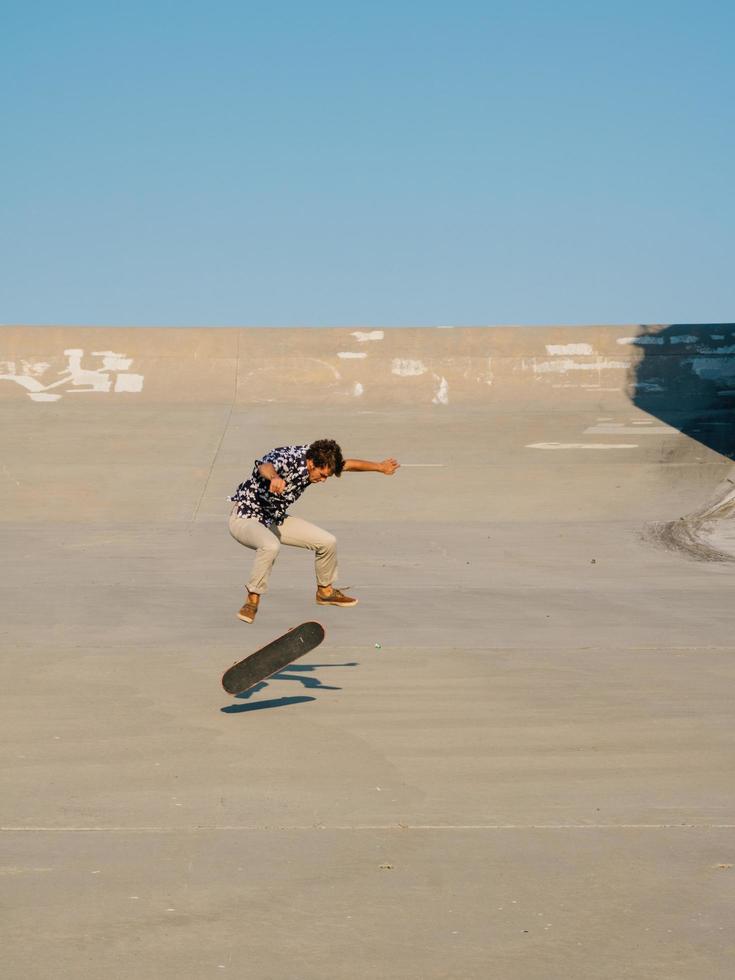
(273, 657)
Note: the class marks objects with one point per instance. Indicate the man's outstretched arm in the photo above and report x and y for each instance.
(387, 466)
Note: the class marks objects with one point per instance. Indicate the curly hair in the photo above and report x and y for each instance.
(326, 452)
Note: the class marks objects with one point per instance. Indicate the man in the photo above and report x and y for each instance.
(260, 522)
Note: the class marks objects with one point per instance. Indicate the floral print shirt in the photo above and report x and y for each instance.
(253, 498)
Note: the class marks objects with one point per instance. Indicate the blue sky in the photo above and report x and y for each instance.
(330, 163)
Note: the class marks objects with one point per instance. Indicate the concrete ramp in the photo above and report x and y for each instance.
(544, 423)
(512, 759)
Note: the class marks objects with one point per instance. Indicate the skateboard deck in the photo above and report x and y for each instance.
(273, 657)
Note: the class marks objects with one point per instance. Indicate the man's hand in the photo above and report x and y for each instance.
(389, 466)
(269, 472)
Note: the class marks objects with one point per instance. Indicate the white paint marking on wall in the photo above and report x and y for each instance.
(406, 368)
(581, 445)
(111, 375)
(34, 368)
(112, 361)
(94, 378)
(358, 390)
(561, 367)
(712, 368)
(442, 392)
(347, 354)
(645, 340)
(703, 346)
(569, 349)
(648, 385)
(627, 430)
(363, 337)
(129, 382)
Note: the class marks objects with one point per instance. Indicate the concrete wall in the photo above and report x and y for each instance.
(540, 367)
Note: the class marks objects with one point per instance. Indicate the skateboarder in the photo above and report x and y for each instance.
(260, 522)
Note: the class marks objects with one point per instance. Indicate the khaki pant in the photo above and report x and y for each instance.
(266, 543)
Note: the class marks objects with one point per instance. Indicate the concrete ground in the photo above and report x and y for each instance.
(513, 759)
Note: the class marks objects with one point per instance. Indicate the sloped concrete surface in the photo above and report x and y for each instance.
(514, 758)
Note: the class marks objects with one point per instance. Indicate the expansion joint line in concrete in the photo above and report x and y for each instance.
(322, 828)
(224, 429)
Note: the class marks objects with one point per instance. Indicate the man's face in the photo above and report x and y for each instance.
(317, 474)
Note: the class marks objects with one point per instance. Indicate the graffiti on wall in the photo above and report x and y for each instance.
(109, 373)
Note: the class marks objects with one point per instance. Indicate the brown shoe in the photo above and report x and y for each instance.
(335, 598)
(248, 612)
